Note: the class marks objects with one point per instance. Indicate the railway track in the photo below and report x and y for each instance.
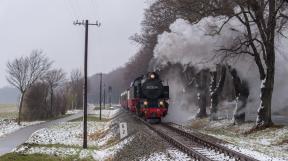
(199, 146)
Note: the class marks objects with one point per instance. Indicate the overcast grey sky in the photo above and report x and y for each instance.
(47, 24)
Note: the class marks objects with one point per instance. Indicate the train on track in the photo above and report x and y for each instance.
(147, 97)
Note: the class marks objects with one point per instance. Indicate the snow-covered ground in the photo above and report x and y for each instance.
(266, 145)
(65, 139)
(8, 126)
(106, 153)
(107, 113)
(71, 112)
(57, 151)
(77, 152)
(68, 133)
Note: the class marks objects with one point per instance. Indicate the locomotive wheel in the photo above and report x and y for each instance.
(154, 120)
(159, 121)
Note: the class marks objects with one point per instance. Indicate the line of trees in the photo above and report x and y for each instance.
(45, 91)
(263, 20)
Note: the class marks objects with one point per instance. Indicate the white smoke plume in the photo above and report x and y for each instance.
(191, 44)
(178, 107)
(194, 44)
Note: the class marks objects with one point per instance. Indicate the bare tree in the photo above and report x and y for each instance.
(54, 78)
(202, 79)
(35, 104)
(25, 71)
(262, 19)
(76, 87)
(242, 93)
(216, 89)
(195, 10)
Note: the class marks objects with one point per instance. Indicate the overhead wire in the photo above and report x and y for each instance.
(70, 10)
(94, 5)
(73, 9)
(78, 7)
(94, 9)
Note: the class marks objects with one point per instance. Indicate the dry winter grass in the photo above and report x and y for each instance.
(38, 157)
(8, 111)
(98, 134)
(8, 108)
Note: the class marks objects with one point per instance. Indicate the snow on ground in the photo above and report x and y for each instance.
(105, 139)
(107, 153)
(68, 133)
(169, 155)
(59, 151)
(65, 139)
(99, 155)
(266, 145)
(253, 153)
(8, 126)
(110, 113)
(85, 153)
(71, 112)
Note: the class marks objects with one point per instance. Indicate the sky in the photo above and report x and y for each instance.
(47, 25)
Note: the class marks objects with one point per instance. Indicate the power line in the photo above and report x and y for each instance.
(92, 9)
(94, 5)
(70, 10)
(74, 10)
(78, 7)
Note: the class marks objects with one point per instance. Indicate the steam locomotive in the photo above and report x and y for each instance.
(147, 97)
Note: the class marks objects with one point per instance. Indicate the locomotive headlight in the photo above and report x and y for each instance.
(152, 76)
(145, 103)
(161, 103)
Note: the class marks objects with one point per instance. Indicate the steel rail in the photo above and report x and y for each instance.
(206, 141)
(191, 152)
(212, 145)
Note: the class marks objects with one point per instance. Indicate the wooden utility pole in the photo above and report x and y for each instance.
(110, 95)
(86, 24)
(104, 96)
(100, 99)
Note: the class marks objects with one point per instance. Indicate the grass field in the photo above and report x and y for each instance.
(4, 108)
(36, 157)
(8, 111)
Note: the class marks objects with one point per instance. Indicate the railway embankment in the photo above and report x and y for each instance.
(268, 144)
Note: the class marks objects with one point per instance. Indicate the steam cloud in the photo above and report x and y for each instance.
(196, 45)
